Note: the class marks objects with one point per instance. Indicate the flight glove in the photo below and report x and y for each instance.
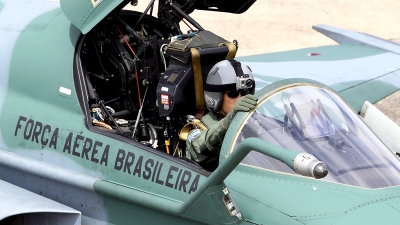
(245, 104)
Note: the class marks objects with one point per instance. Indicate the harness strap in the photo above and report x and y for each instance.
(231, 50)
(198, 83)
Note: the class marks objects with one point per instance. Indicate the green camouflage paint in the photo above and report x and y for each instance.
(327, 53)
(86, 14)
(45, 120)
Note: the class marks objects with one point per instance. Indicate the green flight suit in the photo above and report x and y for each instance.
(206, 146)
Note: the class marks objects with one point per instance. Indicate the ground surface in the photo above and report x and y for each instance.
(276, 25)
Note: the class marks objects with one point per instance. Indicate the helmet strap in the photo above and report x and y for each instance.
(237, 66)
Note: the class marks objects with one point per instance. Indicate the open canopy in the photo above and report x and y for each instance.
(85, 14)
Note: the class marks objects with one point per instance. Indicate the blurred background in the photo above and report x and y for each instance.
(276, 25)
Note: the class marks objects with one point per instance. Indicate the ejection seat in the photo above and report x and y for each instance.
(190, 61)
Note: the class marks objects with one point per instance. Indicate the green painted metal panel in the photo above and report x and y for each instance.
(395, 203)
(209, 208)
(276, 190)
(45, 124)
(85, 14)
(327, 53)
(122, 212)
(372, 91)
(301, 198)
(256, 212)
(367, 214)
(37, 26)
(42, 63)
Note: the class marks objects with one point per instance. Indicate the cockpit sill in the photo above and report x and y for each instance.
(315, 184)
(82, 93)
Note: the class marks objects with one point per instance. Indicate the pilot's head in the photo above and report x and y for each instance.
(227, 81)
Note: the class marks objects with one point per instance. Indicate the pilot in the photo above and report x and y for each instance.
(229, 88)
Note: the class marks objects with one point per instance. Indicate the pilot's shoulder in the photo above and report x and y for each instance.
(209, 119)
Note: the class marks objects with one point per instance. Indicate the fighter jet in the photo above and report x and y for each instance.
(94, 100)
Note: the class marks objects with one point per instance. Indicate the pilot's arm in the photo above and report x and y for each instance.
(201, 145)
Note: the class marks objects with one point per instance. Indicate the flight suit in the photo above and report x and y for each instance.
(205, 147)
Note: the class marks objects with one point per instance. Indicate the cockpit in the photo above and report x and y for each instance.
(317, 121)
(137, 72)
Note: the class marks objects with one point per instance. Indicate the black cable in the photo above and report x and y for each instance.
(151, 4)
(98, 57)
(103, 107)
(187, 17)
(131, 31)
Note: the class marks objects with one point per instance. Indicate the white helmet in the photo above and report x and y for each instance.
(225, 76)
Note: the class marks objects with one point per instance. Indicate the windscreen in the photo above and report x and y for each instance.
(316, 121)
